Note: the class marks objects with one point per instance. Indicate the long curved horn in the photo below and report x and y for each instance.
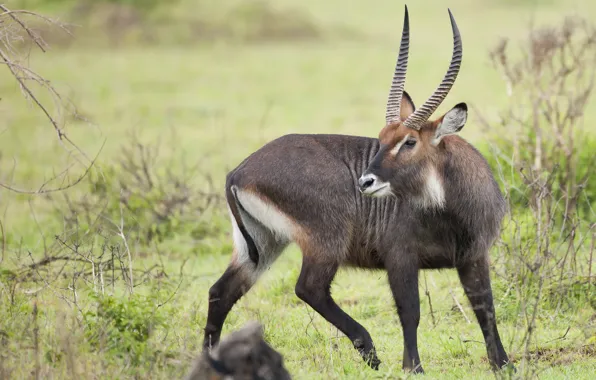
(399, 75)
(415, 120)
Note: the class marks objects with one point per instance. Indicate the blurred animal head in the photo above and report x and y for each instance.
(243, 355)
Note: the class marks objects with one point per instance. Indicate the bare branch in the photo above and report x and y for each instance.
(68, 185)
(9, 56)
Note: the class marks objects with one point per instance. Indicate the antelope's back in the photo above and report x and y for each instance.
(311, 177)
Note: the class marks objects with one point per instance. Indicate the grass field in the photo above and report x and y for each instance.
(213, 104)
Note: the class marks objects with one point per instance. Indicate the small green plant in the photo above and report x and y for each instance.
(123, 326)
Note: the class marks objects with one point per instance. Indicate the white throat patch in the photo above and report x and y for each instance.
(433, 194)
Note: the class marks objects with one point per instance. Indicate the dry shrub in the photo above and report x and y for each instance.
(549, 85)
(546, 165)
(145, 197)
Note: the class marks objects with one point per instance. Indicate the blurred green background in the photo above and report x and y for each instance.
(229, 78)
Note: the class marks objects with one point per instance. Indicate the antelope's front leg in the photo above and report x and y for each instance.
(475, 279)
(313, 287)
(403, 279)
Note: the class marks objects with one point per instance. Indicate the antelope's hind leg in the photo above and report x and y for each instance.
(314, 288)
(229, 288)
(241, 274)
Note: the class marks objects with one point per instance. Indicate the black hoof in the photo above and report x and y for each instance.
(508, 368)
(372, 360)
(417, 370)
(369, 355)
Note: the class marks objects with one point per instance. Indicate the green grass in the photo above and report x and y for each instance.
(223, 101)
(312, 348)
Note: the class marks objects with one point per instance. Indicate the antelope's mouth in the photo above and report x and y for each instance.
(380, 190)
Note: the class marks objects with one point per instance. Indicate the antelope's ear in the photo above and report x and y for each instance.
(407, 106)
(452, 122)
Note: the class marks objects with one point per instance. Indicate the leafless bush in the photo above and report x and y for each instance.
(140, 199)
(243, 355)
(549, 85)
(546, 166)
(100, 261)
(152, 197)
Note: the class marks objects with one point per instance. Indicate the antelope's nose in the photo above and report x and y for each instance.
(366, 181)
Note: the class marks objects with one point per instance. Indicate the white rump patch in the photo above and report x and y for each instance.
(398, 146)
(239, 242)
(433, 195)
(267, 214)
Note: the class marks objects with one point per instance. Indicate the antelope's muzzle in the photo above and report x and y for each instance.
(370, 184)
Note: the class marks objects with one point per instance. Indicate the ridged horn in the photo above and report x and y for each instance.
(399, 75)
(415, 120)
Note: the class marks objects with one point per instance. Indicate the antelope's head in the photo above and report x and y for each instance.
(411, 145)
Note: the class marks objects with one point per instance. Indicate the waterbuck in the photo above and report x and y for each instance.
(418, 197)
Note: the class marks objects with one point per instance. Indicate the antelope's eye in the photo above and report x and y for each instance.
(410, 143)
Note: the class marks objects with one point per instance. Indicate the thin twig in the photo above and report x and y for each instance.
(23, 74)
(459, 306)
(430, 304)
(177, 287)
(3, 242)
(36, 341)
(123, 237)
(41, 189)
